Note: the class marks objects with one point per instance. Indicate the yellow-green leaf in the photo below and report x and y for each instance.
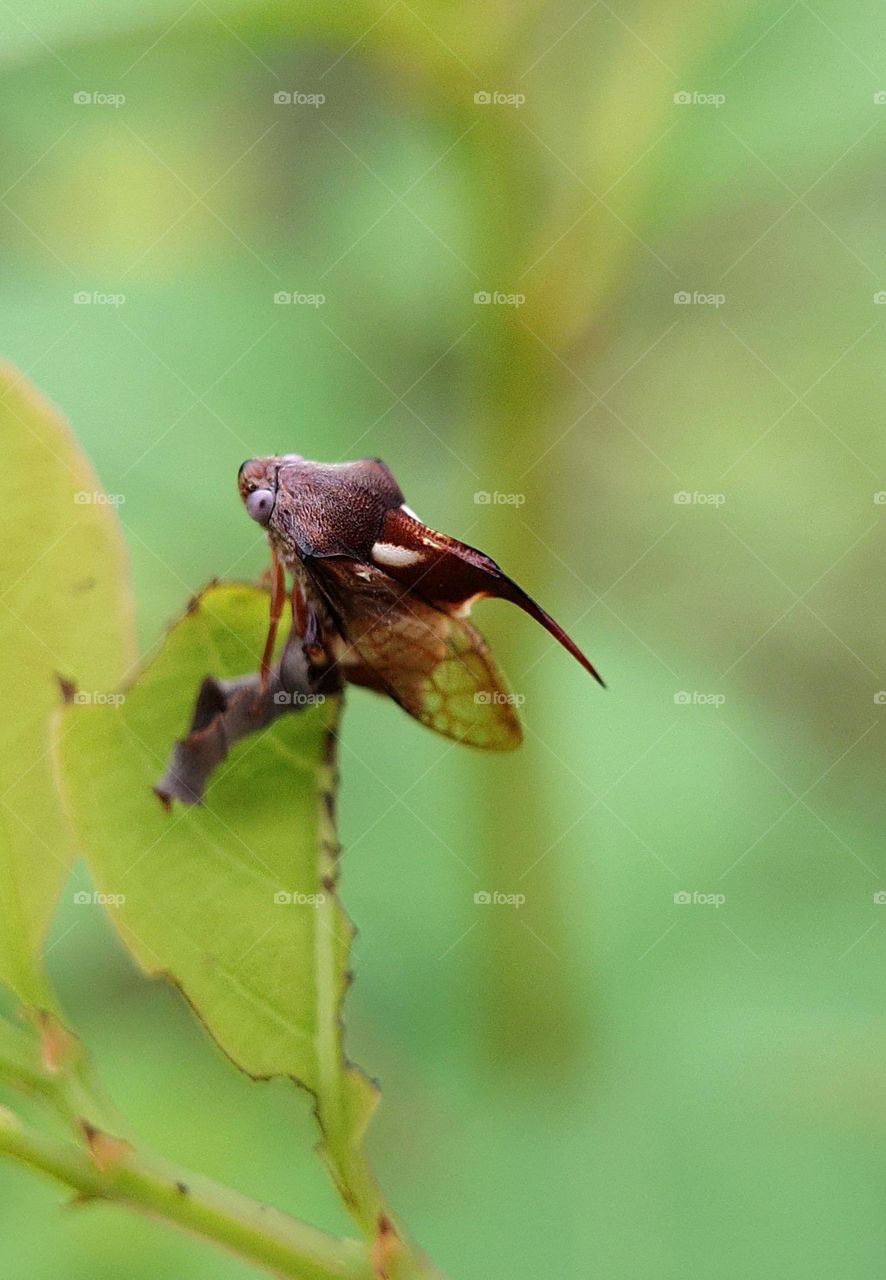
(64, 614)
(232, 899)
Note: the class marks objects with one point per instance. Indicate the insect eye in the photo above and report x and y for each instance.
(260, 504)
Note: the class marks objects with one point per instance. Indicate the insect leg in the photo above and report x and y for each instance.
(297, 601)
(306, 624)
(278, 592)
(315, 649)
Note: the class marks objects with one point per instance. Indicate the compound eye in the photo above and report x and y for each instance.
(260, 504)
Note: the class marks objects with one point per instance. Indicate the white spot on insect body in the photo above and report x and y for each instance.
(464, 609)
(394, 557)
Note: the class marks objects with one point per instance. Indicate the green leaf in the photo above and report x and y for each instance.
(194, 892)
(64, 612)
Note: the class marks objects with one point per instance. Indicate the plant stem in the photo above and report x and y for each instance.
(67, 1090)
(263, 1236)
(258, 1234)
(339, 1085)
(344, 1099)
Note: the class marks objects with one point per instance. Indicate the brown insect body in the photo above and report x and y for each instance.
(385, 596)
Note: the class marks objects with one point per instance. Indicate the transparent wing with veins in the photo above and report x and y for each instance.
(433, 663)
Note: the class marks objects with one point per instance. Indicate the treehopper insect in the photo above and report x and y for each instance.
(385, 598)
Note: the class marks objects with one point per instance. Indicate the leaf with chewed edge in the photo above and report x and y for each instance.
(233, 899)
(64, 615)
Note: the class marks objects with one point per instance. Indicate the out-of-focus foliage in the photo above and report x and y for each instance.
(232, 899)
(214, 888)
(70, 616)
(604, 1080)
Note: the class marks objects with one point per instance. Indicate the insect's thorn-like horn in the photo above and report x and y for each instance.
(516, 595)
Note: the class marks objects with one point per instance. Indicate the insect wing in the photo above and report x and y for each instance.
(450, 572)
(436, 665)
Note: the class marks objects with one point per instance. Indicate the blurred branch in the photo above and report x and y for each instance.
(113, 1172)
(48, 1063)
(103, 1167)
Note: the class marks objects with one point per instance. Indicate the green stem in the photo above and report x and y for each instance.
(339, 1085)
(258, 1234)
(68, 1091)
(263, 1236)
(344, 1099)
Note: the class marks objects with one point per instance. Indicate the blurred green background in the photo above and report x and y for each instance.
(682, 422)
